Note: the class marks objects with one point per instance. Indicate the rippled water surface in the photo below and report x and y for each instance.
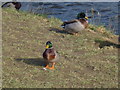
(99, 13)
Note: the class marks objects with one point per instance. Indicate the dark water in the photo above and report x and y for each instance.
(99, 13)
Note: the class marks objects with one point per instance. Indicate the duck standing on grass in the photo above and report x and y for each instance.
(75, 26)
(16, 5)
(50, 55)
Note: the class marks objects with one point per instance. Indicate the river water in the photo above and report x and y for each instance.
(99, 13)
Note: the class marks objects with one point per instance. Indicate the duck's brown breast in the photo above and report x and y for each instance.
(49, 54)
(84, 22)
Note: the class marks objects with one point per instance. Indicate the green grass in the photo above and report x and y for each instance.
(83, 64)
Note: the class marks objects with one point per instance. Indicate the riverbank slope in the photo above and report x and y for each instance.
(88, 60)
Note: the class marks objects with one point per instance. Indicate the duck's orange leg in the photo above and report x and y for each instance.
(52, 66)
(47, 66)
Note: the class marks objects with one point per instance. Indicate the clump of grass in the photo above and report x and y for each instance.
(42, 15)
(92, 27)
(52, 21)
(100, 29)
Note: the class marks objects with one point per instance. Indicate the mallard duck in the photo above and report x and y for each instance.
(50, 55)
(76, 25)
(16, 5)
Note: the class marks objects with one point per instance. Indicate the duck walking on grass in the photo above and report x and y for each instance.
(76, 25)
(50, 55)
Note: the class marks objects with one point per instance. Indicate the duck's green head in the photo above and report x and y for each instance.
(82, 15)
(48, 44)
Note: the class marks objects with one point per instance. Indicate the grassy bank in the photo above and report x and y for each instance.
(87, 60)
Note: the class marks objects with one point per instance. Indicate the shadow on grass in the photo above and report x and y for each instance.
(32, 61)
(102, 44)
(59, 31)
